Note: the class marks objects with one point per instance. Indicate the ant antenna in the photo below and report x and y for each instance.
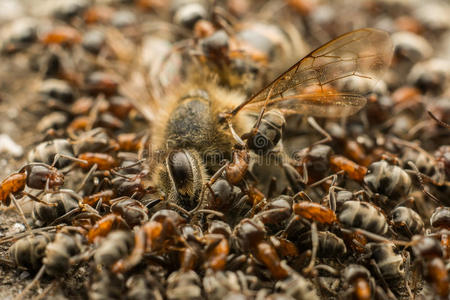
(422, 186)
(441, 123)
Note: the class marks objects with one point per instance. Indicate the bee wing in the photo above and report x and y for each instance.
(347, 66)
(335, 105)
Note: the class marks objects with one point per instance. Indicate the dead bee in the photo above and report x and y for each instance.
(29, 251)
(193, 134)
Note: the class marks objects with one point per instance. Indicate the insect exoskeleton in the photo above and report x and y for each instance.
(192, 140)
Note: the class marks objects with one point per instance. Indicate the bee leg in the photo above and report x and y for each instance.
(47, 290)
(22, 215)
(317, 127)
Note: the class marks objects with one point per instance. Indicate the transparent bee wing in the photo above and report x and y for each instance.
(349, 65)
(335, 105)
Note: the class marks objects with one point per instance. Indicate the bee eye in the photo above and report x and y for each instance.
(180, 168)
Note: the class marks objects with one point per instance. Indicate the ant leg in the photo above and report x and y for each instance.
(333, 178)
(136, 255)
(7, 262)
(315, 246)
(383, 281)
(47, 290)
(34, 198)
(139, 162)
(317, 127)
(59, 155)
(151, 203)
(378, 238)
(332, 198)
(302, 195)
(208, 185)
(22, 215)
(328, 269)
(35, 280)
(86, 178)
(234, 134)
(296, 181)
(441, 123)
(181, 209)
(272, 187)
(407, 271)
(67, 215)
(210, 211)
